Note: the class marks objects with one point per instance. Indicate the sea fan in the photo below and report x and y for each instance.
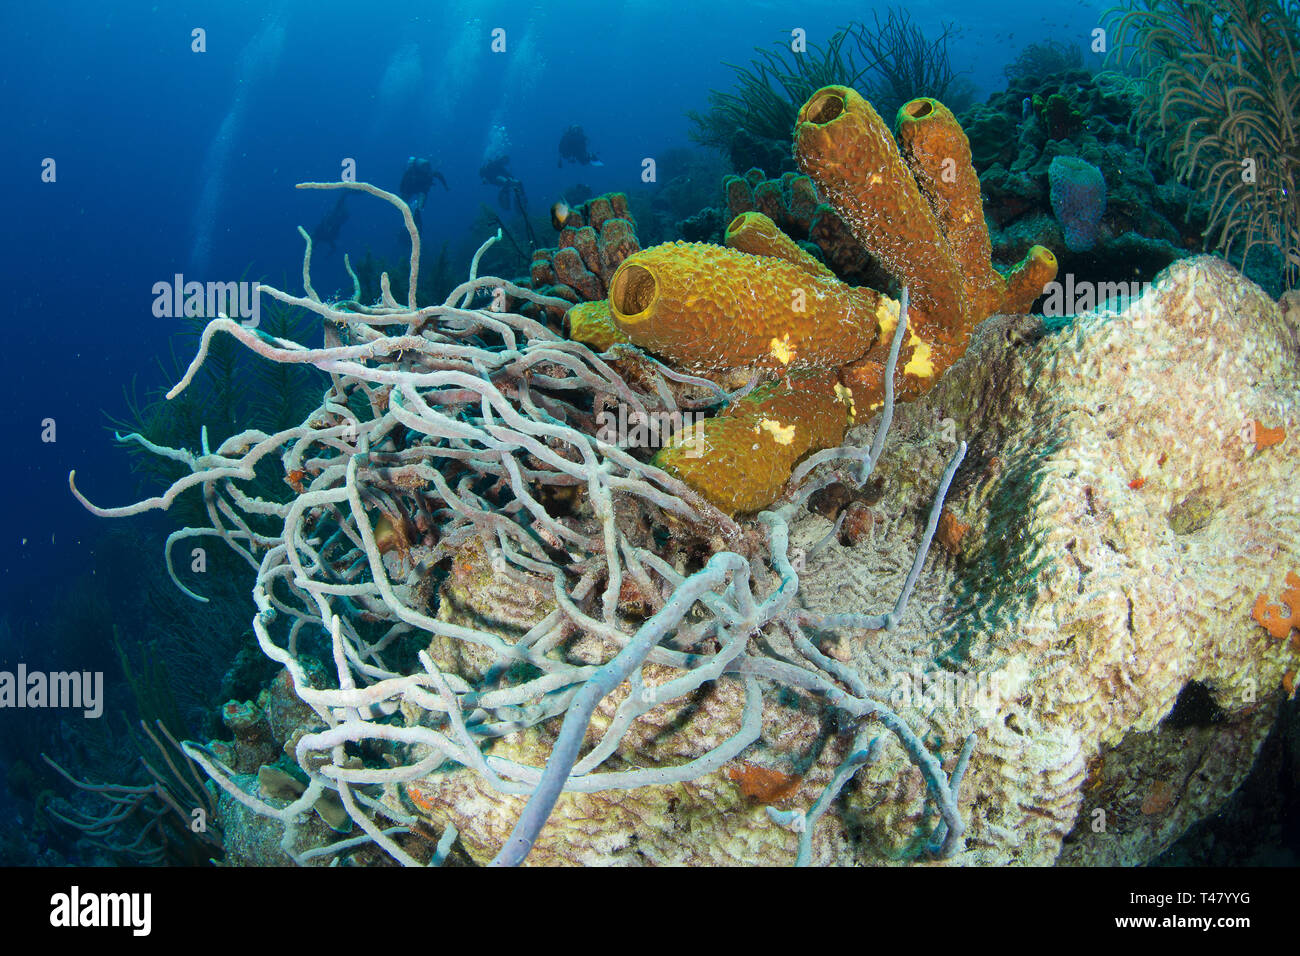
(1220, 96)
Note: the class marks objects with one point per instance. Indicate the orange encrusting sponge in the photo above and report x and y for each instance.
(1281, 619)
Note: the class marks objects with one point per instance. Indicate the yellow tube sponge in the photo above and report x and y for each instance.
(1025, 281)
(848, 151)
(741, 458)
(708, 309)
(935, 148)
(591, 324)
(757, 234)
(918, 209)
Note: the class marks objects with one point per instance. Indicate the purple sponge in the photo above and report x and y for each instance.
(1078, 199)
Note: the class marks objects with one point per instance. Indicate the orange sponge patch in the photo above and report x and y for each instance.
(1280, 619)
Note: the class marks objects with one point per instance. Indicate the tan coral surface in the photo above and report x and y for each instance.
(1121, 524)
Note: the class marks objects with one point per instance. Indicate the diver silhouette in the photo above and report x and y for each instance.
(496, 172)
(417, 180)
(326, 232)
(573, 147)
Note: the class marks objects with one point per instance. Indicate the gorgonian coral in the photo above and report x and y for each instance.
(893, 60)
(1220, 95)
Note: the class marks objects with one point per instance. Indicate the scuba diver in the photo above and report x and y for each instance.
(327, 230)
(417, 180)
(573, 147)
(496, 172)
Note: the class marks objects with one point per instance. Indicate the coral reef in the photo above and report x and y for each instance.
(594, 239)
(469, 588)
(1074, 618)
(171, 820)
(505, 640)
(1057, 115)
(1150, 220)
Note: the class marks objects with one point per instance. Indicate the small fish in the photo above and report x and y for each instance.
(560, 214)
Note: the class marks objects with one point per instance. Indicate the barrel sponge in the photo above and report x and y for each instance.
(757, 234)
(1078, 199)
(707, 309)
(849, 152)
(591, 324)
(741, 458)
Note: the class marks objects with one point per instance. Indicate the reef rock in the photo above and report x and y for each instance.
(1116, 519)
(1150, 219)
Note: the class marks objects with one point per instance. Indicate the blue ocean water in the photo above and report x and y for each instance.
(143, 141)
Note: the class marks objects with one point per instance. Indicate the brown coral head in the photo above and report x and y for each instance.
(633, 293)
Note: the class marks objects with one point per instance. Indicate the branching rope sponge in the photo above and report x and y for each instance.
(450, 432)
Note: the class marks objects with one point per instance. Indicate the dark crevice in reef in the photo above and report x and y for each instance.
(1260, 823)
(1195, 707)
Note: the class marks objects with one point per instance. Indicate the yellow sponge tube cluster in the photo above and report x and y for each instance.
(741, 458)
(707, 309)
(763, 303)
(917, 209)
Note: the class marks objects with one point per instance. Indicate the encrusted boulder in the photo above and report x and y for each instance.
(1124, 504)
